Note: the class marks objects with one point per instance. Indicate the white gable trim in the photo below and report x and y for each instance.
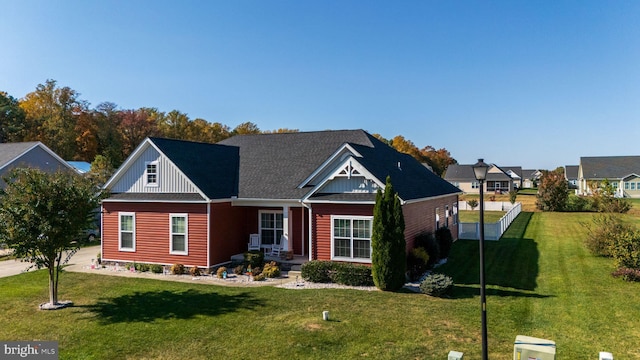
(351, 162)
(136, 154)
(326, 163)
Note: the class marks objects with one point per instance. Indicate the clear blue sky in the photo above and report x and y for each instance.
(530, 83)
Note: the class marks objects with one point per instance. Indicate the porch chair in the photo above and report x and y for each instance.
(275, 250)
(254, 242)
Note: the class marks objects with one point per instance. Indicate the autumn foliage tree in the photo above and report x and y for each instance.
(57, 116)
(552, 190)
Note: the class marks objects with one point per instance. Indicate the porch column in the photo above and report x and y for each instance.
(285, 228)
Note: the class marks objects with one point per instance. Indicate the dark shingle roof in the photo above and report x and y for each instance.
(10, 151)
(571, 172)
(465, 173)
(515, 169)
(458, 172)
(609, 167)
(272, 166)
(212, 168)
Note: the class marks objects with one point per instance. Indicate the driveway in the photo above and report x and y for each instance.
(79, 259)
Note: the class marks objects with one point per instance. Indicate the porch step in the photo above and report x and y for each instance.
(293, 273)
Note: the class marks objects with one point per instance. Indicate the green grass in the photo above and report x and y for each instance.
(474, 216)
(541, 282)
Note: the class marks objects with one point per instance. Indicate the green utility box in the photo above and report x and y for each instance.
(530, 348)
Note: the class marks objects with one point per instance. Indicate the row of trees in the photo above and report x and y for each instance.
(60, 119)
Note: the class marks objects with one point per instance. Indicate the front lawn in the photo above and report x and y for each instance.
(541, 282)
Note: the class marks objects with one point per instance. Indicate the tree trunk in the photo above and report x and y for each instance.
(53, 289)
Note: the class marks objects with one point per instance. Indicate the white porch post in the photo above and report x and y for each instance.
(286, 227)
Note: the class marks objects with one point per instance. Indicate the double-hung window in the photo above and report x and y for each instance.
(127, 231)
(271, 227)
(179, 234)
(351, 238)
(151, 173)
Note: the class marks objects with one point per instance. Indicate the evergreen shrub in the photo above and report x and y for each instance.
(436, 285)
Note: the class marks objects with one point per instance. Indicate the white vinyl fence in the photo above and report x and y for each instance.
(492, 231)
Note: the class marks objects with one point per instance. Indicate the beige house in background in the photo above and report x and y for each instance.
(623, 172)
(462, 176)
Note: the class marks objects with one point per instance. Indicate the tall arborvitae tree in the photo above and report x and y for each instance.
(388, 258)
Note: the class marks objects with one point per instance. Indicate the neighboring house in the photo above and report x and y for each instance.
(571, 175)
(462, 176)
(311, 193)
(515, 172)
(29, 154)
(530, 178)
(623, 172)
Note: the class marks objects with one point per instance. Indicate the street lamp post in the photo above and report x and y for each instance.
(480, 172)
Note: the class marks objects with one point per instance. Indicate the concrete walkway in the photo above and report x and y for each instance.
(15, 267)
(82, 262)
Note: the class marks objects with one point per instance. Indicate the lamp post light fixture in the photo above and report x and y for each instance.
(480, 172)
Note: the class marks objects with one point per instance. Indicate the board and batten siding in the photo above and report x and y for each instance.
(170, 179)
(152, 229)
(322, 225)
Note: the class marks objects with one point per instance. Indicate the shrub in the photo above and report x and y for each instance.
(627, 274)
(427, 241)
(417, 262)
(195, 271)
(577, 203)
(436, 285)
(177, 269)
(156, 269)
(316, 271)
(473, 203)
(141, 267)
(625, 248)
(259, 277)
(271, 270)
(513, 195)
(445, 241)
(602, 232)
(238, 270)
(339, 273)
(220, 271)
(351, 274)
(254, 258)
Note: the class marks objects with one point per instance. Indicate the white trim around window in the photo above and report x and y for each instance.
(350, 236)
(178, 234)
(151, 173)
(127, 231)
